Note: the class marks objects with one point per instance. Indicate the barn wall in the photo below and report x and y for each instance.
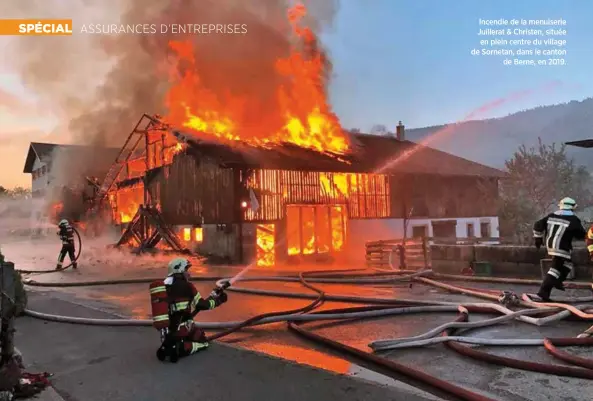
(366, 195)
(433, 196)
(220, 241)
(193, 192)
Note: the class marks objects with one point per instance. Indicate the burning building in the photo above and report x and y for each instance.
(250, 162)
(286, 202)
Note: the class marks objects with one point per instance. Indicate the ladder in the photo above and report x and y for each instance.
(147, 229)
(144, 124)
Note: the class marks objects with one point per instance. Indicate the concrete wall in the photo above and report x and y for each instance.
(506, 260)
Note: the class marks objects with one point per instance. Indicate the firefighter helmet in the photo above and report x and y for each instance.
(178, 266)
(567, 204)
(63, 223)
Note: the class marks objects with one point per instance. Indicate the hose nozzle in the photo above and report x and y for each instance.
(223, 286)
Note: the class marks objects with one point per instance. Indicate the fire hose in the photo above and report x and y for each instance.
(374, 311)
(63, 267)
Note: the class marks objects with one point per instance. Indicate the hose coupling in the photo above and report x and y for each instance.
(508, 298)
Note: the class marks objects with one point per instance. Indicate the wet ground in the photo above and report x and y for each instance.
(497, 382)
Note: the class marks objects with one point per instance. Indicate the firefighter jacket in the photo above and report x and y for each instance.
(185, 300)
(557, 230)
(589, 242)
(66, 235)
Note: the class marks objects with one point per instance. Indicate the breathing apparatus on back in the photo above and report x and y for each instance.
(159, 298)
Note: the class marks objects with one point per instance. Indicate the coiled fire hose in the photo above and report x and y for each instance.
(365, 312)
(63, 267)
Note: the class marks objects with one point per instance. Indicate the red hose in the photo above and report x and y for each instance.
(505, 280)
(550, 345)
(393, 366)
(558, 370)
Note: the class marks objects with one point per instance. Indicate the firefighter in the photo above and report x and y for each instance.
(556, 231)
(66, 233)
(184, 302)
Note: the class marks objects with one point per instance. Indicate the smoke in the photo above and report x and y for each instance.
(99, 85)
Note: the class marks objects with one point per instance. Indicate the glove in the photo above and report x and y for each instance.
(538, 242)
(219, 297)
(222, 298)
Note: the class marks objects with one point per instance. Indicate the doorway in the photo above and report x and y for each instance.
(315, 229)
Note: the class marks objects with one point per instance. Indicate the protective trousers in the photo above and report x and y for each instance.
(67, 248)
(193, 338)
(560, 269)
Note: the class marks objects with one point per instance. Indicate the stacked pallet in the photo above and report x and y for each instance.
(398, 253)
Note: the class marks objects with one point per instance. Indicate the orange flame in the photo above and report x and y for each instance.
(265, 245)
(300, 114)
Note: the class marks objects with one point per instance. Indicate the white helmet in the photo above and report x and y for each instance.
(567, 204)
(63, 223)
(178, 266)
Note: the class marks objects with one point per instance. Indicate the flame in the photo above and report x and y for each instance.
(198, 234)
(127, 202)
(265, 244)
(128, 215)
(300, 114)
(320, 229)
(187, 234)
(56, 210)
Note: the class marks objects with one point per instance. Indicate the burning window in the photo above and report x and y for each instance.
(187, 234)
(315, 229)
(198, 234)
(128, 200)
(369, 195)
(265, 240)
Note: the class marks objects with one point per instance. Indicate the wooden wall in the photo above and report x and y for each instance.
(443, 197)
(193, 191)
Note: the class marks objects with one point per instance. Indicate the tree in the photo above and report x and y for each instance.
(537, 179)
(379, 129)
(3, 191)
(20, 193)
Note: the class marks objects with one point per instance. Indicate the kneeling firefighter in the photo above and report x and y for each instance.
(175, 301)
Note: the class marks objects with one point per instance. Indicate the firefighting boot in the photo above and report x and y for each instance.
(560, 285)
(545, 290)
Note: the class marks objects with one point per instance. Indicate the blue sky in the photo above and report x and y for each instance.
(410, 60)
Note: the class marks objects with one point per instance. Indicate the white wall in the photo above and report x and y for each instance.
(361, 231)
(41, 182)
(376, 229)
(462, 223)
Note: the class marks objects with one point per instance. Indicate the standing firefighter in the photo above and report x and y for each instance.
(66, 233)
(556, 231)
(175, 301)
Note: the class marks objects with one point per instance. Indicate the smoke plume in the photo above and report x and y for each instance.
(99, 85)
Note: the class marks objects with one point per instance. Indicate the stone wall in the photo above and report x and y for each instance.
(506, 260)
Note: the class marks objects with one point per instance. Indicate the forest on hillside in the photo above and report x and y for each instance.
(493, 141)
